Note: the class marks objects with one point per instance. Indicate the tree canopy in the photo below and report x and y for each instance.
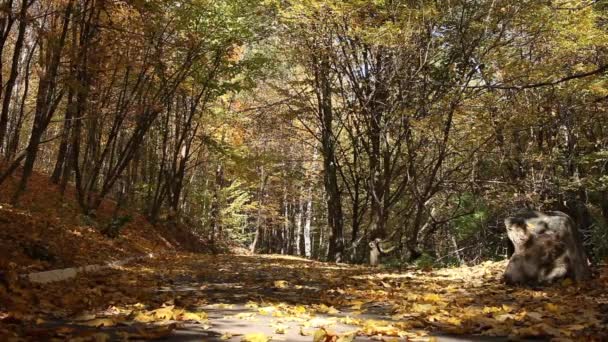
(315, 128)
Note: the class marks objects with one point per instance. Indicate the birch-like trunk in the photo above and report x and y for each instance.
(307, 224)
(299, 231)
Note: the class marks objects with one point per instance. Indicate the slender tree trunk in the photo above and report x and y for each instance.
(6, 24)
(259, 221)
(307, 224)
(284, 234)
(15, 136)
(46, 103)
(10, 84)
(215, 223)
(299, 231)
(62, 154)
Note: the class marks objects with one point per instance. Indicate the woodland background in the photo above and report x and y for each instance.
(314, 127)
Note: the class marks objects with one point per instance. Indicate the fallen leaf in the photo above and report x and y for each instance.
(304, 332)
(280, 328)
(281, 284)
(193, 316)
(535, 315)
(100, 322)
(255, 337)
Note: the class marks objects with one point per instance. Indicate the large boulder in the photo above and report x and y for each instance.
(547, 246)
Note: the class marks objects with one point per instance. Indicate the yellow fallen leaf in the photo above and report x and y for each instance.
(299, 309)
(279, 313)
(255, 337)
(267, 310)
(432, 297)
(165, 313)
(304, 332)
(492, 309)
(281, 284)
(319, 336)
(356, 305)
(280, 328)
(423, 308)
(454, 321)
(193, 316)
(143, 317)
(322, 308)
(347, 337)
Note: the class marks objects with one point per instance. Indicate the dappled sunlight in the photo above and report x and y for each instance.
(238, 295)
(256, 170)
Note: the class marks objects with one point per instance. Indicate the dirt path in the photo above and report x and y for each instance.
(228, 298)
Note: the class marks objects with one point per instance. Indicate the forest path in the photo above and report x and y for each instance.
(233, 298)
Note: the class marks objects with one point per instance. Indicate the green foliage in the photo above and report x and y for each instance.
(392, 262)
(599, 240)
(473, 214)
(598, 236)
(448, 261)
(237, 205)
(425, 261)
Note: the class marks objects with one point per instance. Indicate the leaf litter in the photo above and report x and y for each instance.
(402, 305)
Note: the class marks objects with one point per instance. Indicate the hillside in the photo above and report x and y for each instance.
(48, 231)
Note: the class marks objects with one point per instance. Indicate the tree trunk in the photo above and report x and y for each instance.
(8, 90)
(46, 103)
(299, 238)
(307, 224)
(259, 221)
(14, 138)
(328, 147)
(62, 154)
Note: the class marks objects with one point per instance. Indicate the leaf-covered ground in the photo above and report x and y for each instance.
(48, 231)
(190, 297)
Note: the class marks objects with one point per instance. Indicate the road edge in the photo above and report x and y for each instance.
(71, 272)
